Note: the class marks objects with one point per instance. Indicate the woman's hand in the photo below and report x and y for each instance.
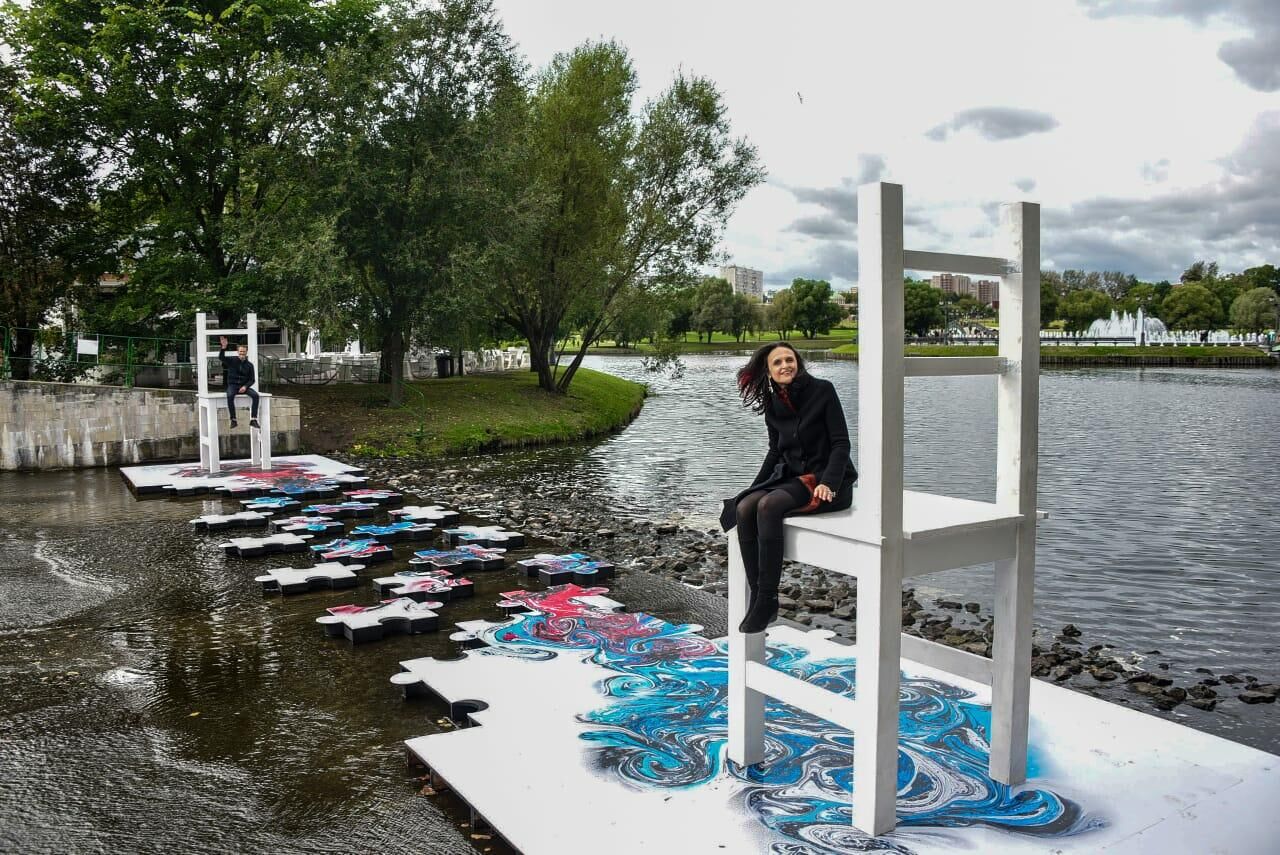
(823, 493)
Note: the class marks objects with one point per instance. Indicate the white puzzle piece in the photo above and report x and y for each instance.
(483, 535)
(316, 526)
(220, 522)
(297, 580)
(575, 567)
(396, 532)
(425, 513)
(250, 547)
(348, 551)
(370, 623)
(377, 497)
(342, 510)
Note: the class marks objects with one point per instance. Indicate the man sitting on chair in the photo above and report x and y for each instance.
(238, 372)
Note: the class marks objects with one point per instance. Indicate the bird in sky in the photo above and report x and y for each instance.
(801, 97)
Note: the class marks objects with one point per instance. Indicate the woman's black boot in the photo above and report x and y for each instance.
(764, 604)
(751, 565)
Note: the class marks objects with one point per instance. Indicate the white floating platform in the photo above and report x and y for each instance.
(295, 470)
(621, 718)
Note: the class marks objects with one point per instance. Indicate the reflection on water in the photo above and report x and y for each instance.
(152, 699)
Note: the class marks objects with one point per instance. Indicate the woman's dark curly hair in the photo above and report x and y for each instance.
(754, 384)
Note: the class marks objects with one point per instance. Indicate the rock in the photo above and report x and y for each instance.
(1146, 688)
(786, 603)
(1230, 678)
(1102, 675)
(1251, 697)
(1271, 689)
(1165, 701)
(820, 605)
(846, 612)
(1071, 631)
(1206, 704)
(1062, 672)
(1176, 692)
(949, 604)
(1199, 691)
(973, 608)
(977, 648)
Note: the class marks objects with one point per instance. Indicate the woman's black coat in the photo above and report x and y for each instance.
(811, 439)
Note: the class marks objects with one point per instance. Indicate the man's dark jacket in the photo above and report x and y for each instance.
(808, 437)
(238, 372)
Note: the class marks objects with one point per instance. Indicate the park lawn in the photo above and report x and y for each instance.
(461, 415)
(1083, 352)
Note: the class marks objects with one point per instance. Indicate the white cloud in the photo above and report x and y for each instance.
(1147, 116)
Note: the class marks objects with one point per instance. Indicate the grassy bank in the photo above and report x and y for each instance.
(462, 414)
(1099, 355)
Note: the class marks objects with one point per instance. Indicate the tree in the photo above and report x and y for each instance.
(1254, 310)
(171, 96)
(1116, 283)
(46, 218)
(608, 199)
(401, 170)
(922, 307)
(782, 313)
(1226, 288)
(1191, 307)
(1143, 296)
(742, 316)
(636, 314)
(1048, 298)
(713, 307)
(1263, 276)
(1200, 271)
(813, 311)
(1081, 308)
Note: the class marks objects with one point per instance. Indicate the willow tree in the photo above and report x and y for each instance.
(602, 196)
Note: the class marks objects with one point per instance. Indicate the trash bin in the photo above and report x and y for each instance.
(444, 365)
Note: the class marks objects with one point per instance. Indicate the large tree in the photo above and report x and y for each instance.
(1191, 307)
(1081, 308)
(713, 310)
(170, 94)
(400, 173)
(922, 307)
(1254, 310)
(47, 218)
(605, 198)
(813, 313)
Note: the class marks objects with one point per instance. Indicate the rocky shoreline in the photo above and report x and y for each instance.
(809, 596)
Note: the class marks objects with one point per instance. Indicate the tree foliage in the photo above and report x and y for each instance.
(922, 307)
(1191, 307)
(1081, 308)
(813, 312)
(1254, 310)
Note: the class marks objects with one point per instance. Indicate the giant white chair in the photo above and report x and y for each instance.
(210, 402)
(891, 534)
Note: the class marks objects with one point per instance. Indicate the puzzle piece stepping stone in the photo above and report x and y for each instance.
(250, 547)
(471, 558)
(378, 497)
(270, 504)
(298, 580)
(483, 535)
(396, 532)
(425, 513)
(570, 567)
(564, 600)
(219, 522)
(370, 623)
(353, 551)
(312, 490)
(316, 525)
(342, 510)
(424, 584)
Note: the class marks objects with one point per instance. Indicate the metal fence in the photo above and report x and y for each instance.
(112, 360)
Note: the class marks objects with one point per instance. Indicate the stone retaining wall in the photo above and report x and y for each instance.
(69, 425)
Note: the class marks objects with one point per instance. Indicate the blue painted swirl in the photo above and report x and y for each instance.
(667, 722)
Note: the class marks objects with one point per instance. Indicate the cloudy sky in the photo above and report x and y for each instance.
(1149, 130)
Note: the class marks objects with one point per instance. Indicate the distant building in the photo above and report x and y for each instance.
(987, 291)
(744, 280)
(951, 283)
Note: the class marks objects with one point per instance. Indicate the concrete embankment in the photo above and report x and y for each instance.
(68, 425)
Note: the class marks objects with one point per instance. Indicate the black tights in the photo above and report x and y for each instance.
(760, 536)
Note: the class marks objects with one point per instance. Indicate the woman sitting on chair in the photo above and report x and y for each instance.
(808, 469)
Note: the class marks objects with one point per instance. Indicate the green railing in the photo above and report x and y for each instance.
(111, 360)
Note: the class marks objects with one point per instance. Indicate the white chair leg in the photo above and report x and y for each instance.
(746, 706)
(875, 744)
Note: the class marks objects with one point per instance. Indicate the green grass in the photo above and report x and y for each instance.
(1083, 353)
(460, 415)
